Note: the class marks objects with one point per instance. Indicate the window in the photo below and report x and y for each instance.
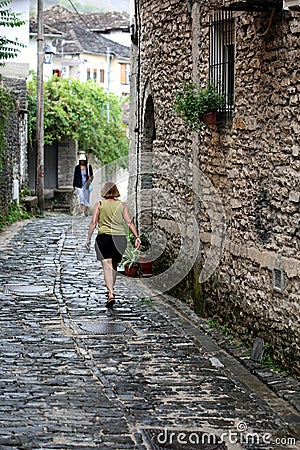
(221, 54)
(101, 76)
(95, 74)
(124, 73)
(88, 74)
(57, 72)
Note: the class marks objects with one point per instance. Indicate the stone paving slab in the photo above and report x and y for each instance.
(64, 388)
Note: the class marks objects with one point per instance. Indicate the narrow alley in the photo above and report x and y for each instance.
(143, 376)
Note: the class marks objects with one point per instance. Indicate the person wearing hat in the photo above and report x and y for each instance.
(110, 215)
(83, 176)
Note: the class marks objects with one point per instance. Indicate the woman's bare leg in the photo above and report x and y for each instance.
(115, 272)
(109, 276)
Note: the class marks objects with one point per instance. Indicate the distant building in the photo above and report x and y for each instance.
(81, 50)
(83, 53)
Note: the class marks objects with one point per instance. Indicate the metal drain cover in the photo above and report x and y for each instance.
(102, 328)
(159, 439)
(25, 289)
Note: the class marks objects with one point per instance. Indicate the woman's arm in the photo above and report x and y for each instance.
(75, 178)
(131, 225)
(93, 224)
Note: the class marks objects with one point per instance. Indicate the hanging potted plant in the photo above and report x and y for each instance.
(197, 106)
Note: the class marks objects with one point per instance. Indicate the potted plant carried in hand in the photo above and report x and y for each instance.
(193, 104)
(145, 256)
(131, 261)
(145, 243)
(145, 259)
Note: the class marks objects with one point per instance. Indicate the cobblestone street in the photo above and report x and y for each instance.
(143, 376)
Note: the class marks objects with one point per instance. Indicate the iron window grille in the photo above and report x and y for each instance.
(221, 59)
(278, 280)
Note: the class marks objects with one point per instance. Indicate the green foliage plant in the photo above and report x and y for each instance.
(145, 242)
(147, 301)
(131, 256)
(14, 212)
(212, 323)
(192, 101)
(79, 110)
(8, 18)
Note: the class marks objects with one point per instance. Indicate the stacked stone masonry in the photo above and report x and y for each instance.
(14, 163)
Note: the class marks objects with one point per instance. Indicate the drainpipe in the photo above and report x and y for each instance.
(108, 82)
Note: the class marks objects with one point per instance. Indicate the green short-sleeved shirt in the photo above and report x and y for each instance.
(111, 219)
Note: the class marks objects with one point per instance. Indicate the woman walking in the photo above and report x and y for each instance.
(111, 215)
(83, 176)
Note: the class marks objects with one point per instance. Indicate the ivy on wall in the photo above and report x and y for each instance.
(6, 110)
(10, 211)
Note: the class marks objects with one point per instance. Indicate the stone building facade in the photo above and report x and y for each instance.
(14, 172)
(229, 192)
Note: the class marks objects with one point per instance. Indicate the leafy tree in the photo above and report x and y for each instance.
(79, 110)
(8, 18)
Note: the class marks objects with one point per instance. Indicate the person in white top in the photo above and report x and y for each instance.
(83, 177)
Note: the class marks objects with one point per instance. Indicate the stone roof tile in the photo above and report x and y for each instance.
(33, 28)
(102, 21)
(79, 40)
(76, 38)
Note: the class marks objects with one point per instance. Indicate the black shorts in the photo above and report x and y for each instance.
(110, 247)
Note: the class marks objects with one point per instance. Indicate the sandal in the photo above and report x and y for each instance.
(110, 302)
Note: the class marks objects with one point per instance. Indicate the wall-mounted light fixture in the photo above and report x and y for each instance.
(49, 53)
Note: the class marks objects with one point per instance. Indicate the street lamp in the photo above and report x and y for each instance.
(49, 53)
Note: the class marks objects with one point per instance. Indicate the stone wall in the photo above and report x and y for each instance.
(252, 163)
(159, 68)
(15, 151)
(67, 159)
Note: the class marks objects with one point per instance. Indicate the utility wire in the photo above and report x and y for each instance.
(80, 16)
(86, 24)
